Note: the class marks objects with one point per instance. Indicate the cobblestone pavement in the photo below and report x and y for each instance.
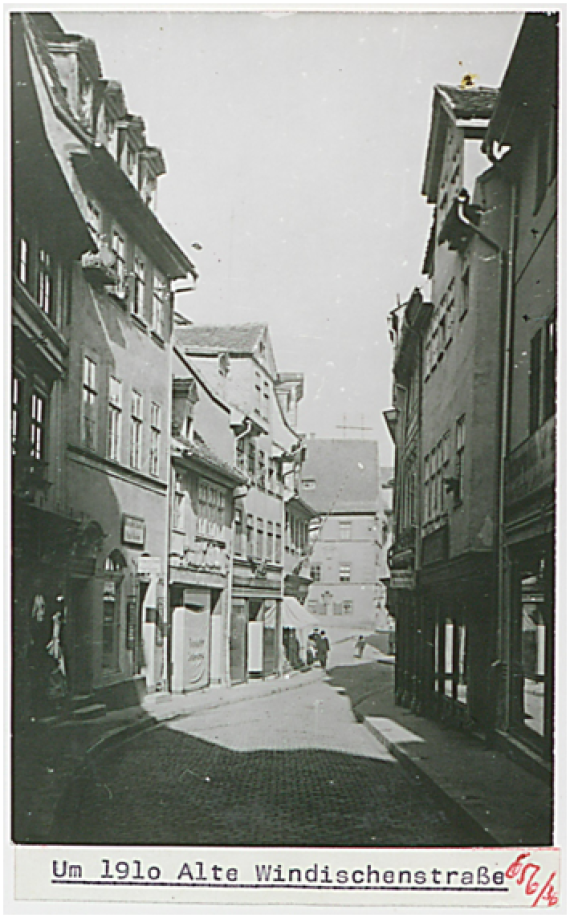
(291, 769)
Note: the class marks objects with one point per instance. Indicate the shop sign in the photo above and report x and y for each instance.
(133, 530)
(403, 580)
(148, 565)
(531, 465)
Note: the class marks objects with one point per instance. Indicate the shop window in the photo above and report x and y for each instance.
(90, 404)
(115, 416)
(532, 639)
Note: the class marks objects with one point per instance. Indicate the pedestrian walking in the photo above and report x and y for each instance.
(359, 646)
(39, 660)
(313, 647)
(323, 649)
(57, 688)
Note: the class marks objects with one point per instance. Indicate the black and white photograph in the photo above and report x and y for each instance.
(284, 291)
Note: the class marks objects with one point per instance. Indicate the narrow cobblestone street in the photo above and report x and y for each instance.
(294, 768)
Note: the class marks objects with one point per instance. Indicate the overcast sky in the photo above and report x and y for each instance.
(295, 148)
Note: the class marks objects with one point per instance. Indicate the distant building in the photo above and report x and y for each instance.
(340, 478)
(238, 363)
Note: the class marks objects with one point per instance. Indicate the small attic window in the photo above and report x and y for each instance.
(262, 348)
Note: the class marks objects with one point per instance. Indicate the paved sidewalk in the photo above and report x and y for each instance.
(498, 800)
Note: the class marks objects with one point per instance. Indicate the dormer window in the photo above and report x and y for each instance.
(84, 99)
(131, 161)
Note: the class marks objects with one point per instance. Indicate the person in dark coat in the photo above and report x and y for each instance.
(323, 648)
(39, 660)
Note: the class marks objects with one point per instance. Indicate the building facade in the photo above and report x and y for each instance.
(203, 483)
(238, 362)
(114, 409)
(522, 139)
(340, 478)
(475, 623)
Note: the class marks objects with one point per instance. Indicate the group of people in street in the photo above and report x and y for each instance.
(318, 648)
(46, 656)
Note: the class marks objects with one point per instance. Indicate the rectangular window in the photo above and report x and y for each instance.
(316, 572)
(37, 426)
(240, 454)
(89, 413)
(158, 301)
(120, 252)
(257, 405)
(266, 400)
(115, 416)
(45, 292)
(535, 381)
(221, 513)
(259, 540)
(155, 427)
(23, 261)
(460, 459)
(94, 217)
(239, 547)
(261, 470)
(344, 572)
(347, 607)
(178, 508)
(269, 554)
(278, 544)
(271, 476)
(139, 288)
(202, 509)
(249, 535)
(549, 389)
(136, 429)
(345, 532)
(251, 459)
(17, 406)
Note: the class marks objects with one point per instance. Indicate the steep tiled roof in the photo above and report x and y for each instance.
(470, 103)
(204, 454)
(208, 339)
(346, 475)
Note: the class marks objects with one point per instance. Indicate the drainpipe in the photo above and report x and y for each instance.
(226, 675)
(501, 666)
